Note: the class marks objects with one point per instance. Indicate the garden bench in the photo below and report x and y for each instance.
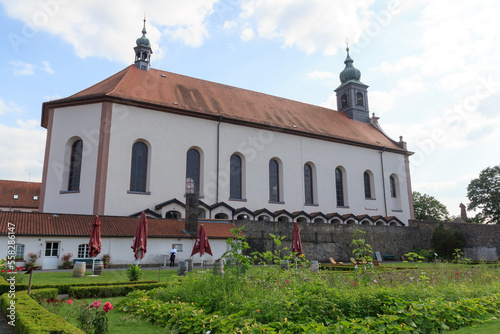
(389, 257)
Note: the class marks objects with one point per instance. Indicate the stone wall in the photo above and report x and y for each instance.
(321, 241)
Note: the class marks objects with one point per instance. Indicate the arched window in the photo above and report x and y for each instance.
(193, 168)
(201, 213)
(235, 177)
(221, 215)
(343, 100)
(274, 181)
(308, 184)
(139, 168)
(283, 219)
(173, 215)
(392, 182)
(339, 185)
(301, 220)
(75, 166)
(243, 217)
(359, 99)
(263, 218)
(319, 220)
(368, 186)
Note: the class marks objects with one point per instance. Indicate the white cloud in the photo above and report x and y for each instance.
(22, 68)
(310, 25)
(230, 24)
(247, 34)
(22, 149)
(46, 67)
(9, 107)
(324, 75)
(108, 29)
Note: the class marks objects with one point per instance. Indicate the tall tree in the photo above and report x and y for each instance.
(427, 207)
(484, 194)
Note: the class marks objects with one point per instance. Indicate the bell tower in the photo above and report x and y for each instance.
(143, 51)
(352, 97)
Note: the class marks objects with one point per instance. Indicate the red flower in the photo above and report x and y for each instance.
(3, 270)
(96, 304)
(69, 301)
(355, 284)
(287, 282)
(107, 307)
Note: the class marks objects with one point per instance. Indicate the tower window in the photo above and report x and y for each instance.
(392, 182)
(359, 99)
(339, 184)
(343, 100)
(75, 166)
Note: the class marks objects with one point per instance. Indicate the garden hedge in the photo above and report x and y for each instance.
(31, 318)
(111, 290)
(62, 288)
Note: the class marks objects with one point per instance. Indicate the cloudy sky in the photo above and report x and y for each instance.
(432, 67)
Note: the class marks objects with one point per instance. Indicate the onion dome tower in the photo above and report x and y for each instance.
(352, 97)
(143, 51)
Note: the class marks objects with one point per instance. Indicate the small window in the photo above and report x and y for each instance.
(173, 215)
(343, 100)
(201, 213)
(301, 220)
(83, 251)
(243, 217)
(19, 251)
(359, 99)
(52, 249)
(15, 197)
(263, 218)
(283, 219)
(318, 220)
(35, 198)
(178, 247)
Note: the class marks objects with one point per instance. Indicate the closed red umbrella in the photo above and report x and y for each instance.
(201, 245)
(95, 240)
(140, 241)
(296, 243)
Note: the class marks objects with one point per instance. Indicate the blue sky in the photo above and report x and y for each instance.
(432, 67)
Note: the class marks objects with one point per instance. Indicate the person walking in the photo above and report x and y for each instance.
(173, 253)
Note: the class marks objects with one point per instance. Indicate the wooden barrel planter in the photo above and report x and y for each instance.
(285, 265)
(314, 266)
(98, 267)
(219, 267)
(189, 265)
(182, 271)
(79, 269)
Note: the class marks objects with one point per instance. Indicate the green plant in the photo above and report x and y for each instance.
(236, 261)
(414, 257)
(458, 256)
(92, 318)
(444, 241)
(134, 272)
(279, 254)
(67, 259)
(32, 257)
(361, 250)
(106, 258)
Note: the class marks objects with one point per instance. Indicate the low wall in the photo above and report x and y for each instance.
(321, 241)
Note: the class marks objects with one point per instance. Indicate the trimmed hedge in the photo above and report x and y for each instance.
(31, 318)
(111, 290)
(62, 288)
(44, 294)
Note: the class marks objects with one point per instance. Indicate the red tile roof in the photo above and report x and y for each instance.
(170, 92)
(34, 223)
(24, 191)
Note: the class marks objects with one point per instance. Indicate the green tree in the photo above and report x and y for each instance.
(427, 207)
(484, 194)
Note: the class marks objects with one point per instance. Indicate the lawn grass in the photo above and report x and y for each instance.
(489, 327)
(109, 275)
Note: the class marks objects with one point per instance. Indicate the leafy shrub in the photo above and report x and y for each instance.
(104, 291)
(134, 272)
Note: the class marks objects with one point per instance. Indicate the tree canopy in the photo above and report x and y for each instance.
(484, 194)
(427, 207)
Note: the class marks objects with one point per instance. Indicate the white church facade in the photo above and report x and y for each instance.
(133, 141)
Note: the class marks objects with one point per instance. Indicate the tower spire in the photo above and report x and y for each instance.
(143, 50)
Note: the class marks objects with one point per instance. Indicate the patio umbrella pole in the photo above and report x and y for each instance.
(93, 261)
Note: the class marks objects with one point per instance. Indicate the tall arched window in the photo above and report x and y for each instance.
(343, 100)
(368, 186)
(75, 166)
(339, 185)
(139, 168)
(308, 184)
(359, 99)
(235, 177)
(193, 168)
(392, 183)
(274, 181)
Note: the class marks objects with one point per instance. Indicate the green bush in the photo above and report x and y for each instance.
(43, 294)
(134, 272)
(445, 241)
(31, 318)
(103, 291)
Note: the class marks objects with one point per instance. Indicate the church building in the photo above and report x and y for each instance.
(138, 139)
